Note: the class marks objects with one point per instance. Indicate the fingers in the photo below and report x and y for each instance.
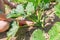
(11, 4)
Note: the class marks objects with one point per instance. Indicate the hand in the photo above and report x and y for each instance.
(11, 4)
(4, 25)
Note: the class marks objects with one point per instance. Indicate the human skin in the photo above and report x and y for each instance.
(4, 24)
(2, 2)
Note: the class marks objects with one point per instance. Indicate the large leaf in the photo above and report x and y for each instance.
(30, 8)
(55, 32)
(57, 10)
(19, 11)
(38, 35)
(12, 32)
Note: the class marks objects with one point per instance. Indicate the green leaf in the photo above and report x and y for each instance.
(57, 1)
(19, 11)
(57, 10)
(38, 35)
(35, 2)
(46, 1)
(44, 4)
(32, 17)
(30, 8)
(55, 32)
(12, 32)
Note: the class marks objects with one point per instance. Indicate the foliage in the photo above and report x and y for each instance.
(13, 30)
(55, 32)
(32, 10)
(38, 35)
(19, 11)
(57, 10)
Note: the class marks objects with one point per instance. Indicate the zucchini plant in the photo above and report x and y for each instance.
(32, 10)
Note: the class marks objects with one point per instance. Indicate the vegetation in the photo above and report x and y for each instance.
(31, 13)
